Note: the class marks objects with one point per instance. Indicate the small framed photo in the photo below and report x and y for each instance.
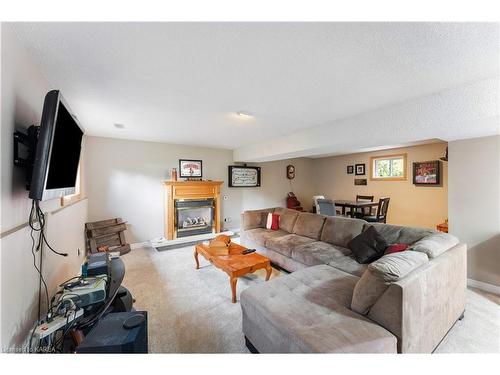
(360, 181)
(360, 169)
(190, 168)
(427, 173)
(350, 169)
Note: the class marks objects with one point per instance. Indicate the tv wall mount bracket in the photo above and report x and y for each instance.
(25, 150)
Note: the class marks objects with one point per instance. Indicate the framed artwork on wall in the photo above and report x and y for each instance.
(359, 169)
(360, 181)
(243, 176)
(427, 173)
(350, 169)
(190, 168)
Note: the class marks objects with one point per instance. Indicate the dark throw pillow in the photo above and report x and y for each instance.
(368, 246)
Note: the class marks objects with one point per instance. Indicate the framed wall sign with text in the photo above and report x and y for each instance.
(243, 176)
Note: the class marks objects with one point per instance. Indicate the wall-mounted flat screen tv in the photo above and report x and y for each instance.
(58, 150)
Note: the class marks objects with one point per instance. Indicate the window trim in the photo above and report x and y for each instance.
(392, 156)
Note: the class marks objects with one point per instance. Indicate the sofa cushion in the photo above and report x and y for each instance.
(287, 243)
(314, 253)
(308, 311)
(318, 252)
(255, 218)
(368, 246)
(340, 230)
(348, 264)
(398, 234)
(260, 235)
(380, 274)
(287, 218)
(393, 267)
(309, 225)
(435, 244)
(367, 291)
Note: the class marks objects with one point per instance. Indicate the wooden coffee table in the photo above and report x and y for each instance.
(235, 264)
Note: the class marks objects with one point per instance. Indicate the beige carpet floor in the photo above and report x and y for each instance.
(190, 311)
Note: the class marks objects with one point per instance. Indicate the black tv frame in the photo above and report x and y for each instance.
(44, 149)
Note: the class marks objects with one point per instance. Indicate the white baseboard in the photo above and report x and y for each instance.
(490, 288)
(162, 241)
(139, 244)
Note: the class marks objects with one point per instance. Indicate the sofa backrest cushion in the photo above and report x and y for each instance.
(380, 274)
(398, 234)
(340, 230)
(392, 267)
(435, 244)
(255, 218)
(288, 218)
(309, 225)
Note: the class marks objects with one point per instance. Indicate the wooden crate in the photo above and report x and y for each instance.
(107, 233)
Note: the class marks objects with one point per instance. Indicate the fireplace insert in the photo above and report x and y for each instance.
(194, 216)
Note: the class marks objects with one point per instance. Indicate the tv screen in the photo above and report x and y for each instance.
(58, 150)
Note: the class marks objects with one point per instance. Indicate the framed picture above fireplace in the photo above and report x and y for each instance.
(243, 176)
(190, 168)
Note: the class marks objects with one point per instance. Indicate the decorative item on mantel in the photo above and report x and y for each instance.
(192, 169)
(173, 174)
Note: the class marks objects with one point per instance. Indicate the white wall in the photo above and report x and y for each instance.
(474, 204)
(275, 185)
(23, 88)
(124, 179)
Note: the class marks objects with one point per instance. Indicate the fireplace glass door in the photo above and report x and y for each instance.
(194, 217)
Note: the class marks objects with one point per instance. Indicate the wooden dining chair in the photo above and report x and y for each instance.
(382, 208)
(364, 211)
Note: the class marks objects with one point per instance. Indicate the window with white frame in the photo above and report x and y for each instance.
(388, 167)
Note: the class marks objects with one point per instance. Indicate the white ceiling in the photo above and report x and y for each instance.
(182, 82)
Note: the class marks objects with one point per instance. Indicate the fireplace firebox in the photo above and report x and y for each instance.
(194, 216)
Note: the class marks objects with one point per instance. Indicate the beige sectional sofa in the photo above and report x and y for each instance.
(329, 303)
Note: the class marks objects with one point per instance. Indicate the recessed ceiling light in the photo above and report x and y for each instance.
(119, 126)
(244, 114)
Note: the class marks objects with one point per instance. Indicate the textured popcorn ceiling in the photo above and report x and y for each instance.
(182, 83)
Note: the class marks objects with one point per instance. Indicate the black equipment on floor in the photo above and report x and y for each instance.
(118, 333)
(123, 301)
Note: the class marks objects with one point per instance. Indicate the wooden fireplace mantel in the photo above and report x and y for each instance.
(189, 190)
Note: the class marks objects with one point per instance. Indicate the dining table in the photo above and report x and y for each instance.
(353, 206)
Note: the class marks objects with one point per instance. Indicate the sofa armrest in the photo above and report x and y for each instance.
(422, 307)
